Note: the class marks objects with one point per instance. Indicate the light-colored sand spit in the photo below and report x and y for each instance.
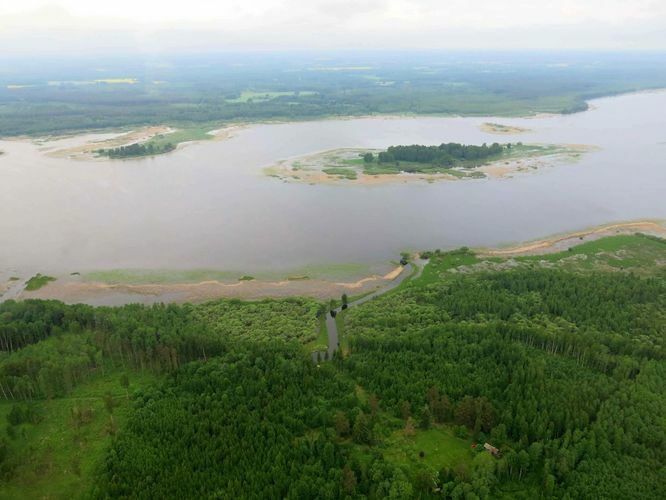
(560, 243)
(73, 291)
(500, 129)
(83, 147)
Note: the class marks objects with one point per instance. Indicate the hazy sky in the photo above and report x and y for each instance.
(154, 25)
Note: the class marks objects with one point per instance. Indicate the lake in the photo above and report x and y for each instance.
(208, 205)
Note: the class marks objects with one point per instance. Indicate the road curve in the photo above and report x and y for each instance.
(332, 327)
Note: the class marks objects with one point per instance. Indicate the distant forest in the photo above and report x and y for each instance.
(46, 96)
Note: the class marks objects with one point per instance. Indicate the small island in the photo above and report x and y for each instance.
(404, 163)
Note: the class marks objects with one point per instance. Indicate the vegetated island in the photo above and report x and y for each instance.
(38, 281)
(448, 161)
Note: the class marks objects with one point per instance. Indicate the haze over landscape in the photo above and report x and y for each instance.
(155, 26)
(333, 249)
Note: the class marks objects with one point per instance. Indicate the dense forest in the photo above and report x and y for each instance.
(558, 363)
(135, 150)
(43, 96)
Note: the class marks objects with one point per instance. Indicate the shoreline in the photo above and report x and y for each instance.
(68, 134)
(560, 242)
(113, 137)
(102, 293)
(70, 290)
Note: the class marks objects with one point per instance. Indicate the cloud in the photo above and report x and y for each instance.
(85, 25)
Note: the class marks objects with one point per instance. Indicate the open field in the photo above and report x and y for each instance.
(321, 342)
(57, 455)
(440, 447)
(250, 96)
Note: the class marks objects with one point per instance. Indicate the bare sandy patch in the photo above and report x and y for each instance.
(225, 133)
(509, 167)
(99, 293)
(562, 242)
(394, 274)
(374, 279)
(500, 129)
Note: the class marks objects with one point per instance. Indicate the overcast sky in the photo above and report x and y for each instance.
(166, 25)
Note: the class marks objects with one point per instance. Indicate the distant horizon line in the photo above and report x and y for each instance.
(347, 51)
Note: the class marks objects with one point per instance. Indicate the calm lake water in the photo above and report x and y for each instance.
(209, 206)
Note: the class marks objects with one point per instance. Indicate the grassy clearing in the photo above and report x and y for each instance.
(52, 457)
(437, 266)
(341, 172)
(251, 96)
(639, 254)
(183, 134)
(321, 342)
(38, 281)
(440, 447)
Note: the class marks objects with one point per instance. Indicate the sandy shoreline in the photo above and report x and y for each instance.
(73, 290)
(562, 242)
